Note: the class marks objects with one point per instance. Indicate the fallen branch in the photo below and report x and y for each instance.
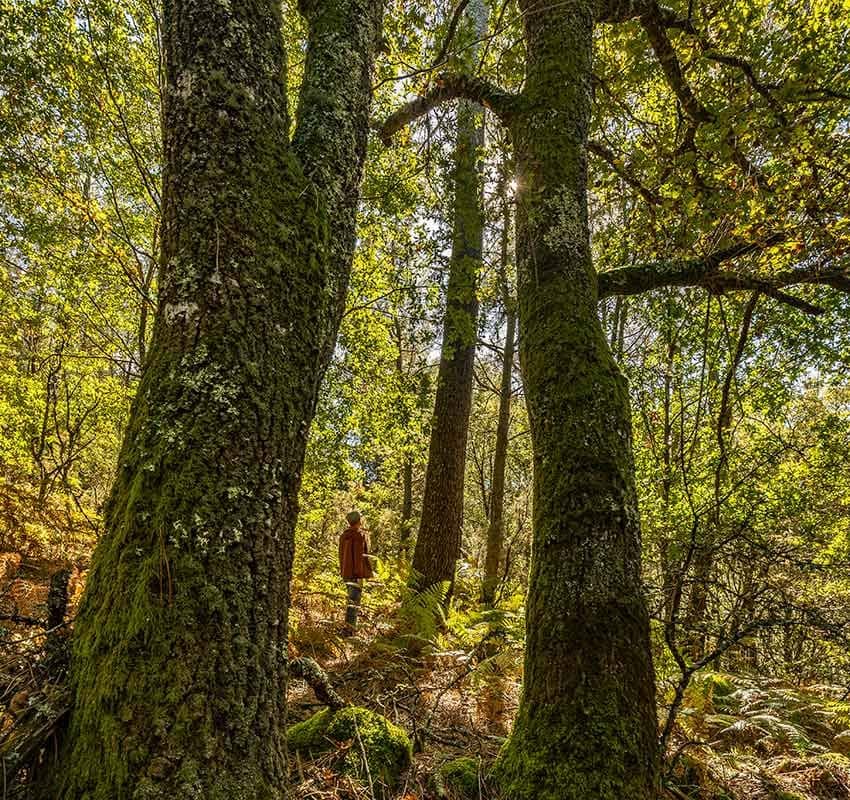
(317, 679)
(22, 743)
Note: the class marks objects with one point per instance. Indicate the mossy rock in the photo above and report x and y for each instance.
(460, 778)
(387, 747)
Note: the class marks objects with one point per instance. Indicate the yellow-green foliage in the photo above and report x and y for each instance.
(760, 732)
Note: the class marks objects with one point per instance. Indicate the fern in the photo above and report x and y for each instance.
(422, 613)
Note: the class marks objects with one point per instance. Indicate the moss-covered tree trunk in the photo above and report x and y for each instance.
(180, 646)
(586, 726)
(439, 539)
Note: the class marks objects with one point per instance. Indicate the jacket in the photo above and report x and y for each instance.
(353, 555)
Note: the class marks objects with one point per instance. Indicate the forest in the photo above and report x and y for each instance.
(425, 400)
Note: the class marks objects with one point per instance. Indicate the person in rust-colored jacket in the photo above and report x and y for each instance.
(354, 564)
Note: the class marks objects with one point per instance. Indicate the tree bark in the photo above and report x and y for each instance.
(179, 659)
(406, 521)
(586, 725)
(438, 543)
(496, 526)
(406, 507)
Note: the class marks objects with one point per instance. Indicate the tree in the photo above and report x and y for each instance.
(439, 539)
(586, 724)
(496, 521)
(180, 645)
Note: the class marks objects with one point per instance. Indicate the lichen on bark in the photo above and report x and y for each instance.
(179, 659)
(586, 724)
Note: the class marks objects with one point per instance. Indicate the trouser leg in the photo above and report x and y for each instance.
(355, 591)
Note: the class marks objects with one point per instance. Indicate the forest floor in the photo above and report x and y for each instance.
(453, 687)
(452, 702)
(737, 737)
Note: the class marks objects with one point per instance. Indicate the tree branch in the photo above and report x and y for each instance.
(450, 87)
(656, 31)
(656, 21)
(318, 681)
(706, 273)
(450, 33)
(624, 10)
(600, 150)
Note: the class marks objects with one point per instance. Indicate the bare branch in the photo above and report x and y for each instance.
(450, 33)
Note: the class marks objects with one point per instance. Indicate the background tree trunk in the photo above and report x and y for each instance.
(586, 726)
(438, 543)
(406, 508)
(496, 522)
(496, 526)
(180, 645)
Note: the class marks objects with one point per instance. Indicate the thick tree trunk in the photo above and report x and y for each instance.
(586, 726)
(180, 645)
(438, 543)
(496, 526)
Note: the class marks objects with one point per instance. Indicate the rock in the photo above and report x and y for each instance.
(386, 746)
(459, 779)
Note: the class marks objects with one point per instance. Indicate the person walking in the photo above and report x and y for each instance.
(354, 566)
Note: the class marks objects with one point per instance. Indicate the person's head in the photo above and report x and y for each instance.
(353, 518)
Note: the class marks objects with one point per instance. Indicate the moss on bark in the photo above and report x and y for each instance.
(387, 747)
(586, 725)
(179, 658)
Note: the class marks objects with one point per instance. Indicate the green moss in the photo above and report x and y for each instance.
(594, 752)
(461, 778)
(387, 747)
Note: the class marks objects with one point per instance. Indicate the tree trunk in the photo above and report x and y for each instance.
(496, 526)
(695, 617)
(406, 521)
(667, 544)
(180, 650)
(586, 725)
(406, 507)
(438, 543)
